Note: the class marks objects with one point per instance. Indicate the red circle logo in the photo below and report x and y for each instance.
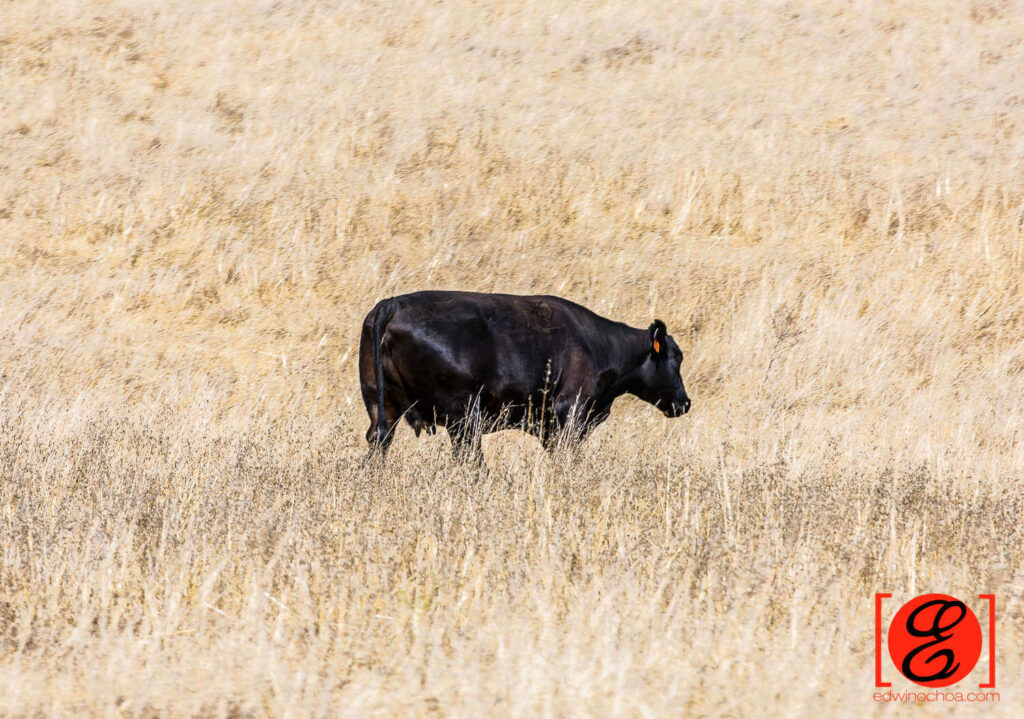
(935, 640)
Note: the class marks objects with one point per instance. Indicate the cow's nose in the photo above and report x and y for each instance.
(686, 405)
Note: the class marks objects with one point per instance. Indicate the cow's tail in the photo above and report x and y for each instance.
(385, 311)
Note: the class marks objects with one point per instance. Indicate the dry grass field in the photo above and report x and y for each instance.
(199, 202)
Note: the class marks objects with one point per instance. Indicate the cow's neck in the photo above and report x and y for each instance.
(630, 352)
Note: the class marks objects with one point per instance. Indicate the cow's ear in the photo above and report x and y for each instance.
(657, 331)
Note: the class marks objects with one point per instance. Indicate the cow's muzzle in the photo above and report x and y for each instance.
(678, 409)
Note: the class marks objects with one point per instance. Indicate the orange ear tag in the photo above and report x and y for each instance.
(657, 347)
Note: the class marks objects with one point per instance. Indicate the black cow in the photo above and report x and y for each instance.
(474, 362)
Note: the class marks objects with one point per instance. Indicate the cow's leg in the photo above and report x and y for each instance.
(568, 426)
(377, 449)
(379, 445)
(563, 439)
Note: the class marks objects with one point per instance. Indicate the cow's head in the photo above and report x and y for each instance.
(657, 378)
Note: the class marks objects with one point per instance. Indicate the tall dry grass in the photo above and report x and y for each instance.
(198, 204)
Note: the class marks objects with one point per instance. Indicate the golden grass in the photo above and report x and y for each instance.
(199, 204)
